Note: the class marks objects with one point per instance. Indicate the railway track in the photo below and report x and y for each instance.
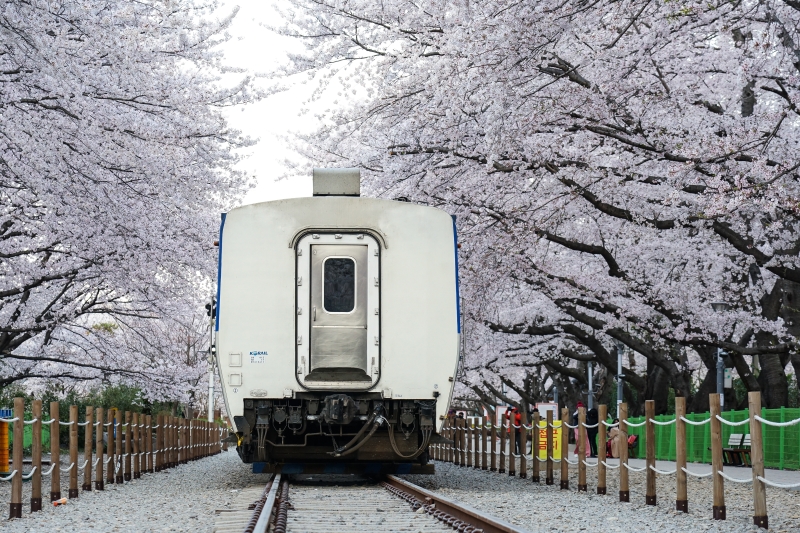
(355, 505)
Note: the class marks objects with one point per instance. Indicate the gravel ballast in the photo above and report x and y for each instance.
(183, 498)
(538, 507)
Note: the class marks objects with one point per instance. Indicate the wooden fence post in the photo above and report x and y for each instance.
(158, 445)
(448, 435)
(454, 437)
(16, 459)
(716, 458)
(650, 451)
(582, 449)
(512, 440)
(169, 445)
(87, 449)
(36, 457)
(217, 416)
(757, 459)
(602, 414)
(159, 442)
(463, 441)
(624, 487)
(451, 453)
(55, 453)
(118, 447)
(535, 448)
(110, 447)
(165, 458)
(523, 446)
(73, 451)
(174, 441)
(681, 497)
(470, 435)
(136, 447)
(564, 448)
(477, 431)
(502, 454)
(128, 446)
(493, 442)
(484, 445)
(439, 447)
(549, 478)
(98, 444)
(148, 443)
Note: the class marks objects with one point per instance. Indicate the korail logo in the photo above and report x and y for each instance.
(258, 356)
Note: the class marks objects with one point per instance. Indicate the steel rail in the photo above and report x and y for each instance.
(478, 520)
(266, 510)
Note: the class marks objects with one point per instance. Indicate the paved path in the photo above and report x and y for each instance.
(741, 472)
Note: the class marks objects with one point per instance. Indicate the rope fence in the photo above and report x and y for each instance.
(131, 443)
(475, 446)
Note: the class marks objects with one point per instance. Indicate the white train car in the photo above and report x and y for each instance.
(337, 330)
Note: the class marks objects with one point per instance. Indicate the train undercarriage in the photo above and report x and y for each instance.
(327, 428)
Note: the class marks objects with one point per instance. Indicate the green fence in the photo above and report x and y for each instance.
(781, 444)
(27, 436)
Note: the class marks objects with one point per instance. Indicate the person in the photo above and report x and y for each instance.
(614, 438)
(517, 421)
(514, 418)
(575, 423)
(591, 433)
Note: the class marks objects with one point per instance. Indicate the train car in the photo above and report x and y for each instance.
(337, 328)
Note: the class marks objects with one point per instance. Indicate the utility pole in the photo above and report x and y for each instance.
(211, 311)
(720, 378)
(720, 307)
(620, 375)
(590, 396)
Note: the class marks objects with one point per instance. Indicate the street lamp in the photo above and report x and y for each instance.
(720, 307)
(620, 375)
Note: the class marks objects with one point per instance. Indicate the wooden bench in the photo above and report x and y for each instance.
(738, 451)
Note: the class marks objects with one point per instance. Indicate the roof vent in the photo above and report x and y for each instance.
(337, 182)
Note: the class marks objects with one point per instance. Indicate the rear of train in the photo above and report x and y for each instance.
(337, 330)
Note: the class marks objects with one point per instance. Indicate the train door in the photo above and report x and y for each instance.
(338, 310)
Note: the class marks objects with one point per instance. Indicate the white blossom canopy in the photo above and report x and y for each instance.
(615, 168)
(115, 163)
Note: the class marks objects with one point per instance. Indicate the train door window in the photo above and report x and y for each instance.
(337, 338)
(339, 284)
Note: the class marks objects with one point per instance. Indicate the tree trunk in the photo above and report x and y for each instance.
(774, 387)
(699, 403)
(657, 387)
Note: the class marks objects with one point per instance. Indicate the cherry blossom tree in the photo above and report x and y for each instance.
(615, 167)
(115, 163)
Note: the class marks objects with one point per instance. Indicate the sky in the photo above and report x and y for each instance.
(257, 49)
